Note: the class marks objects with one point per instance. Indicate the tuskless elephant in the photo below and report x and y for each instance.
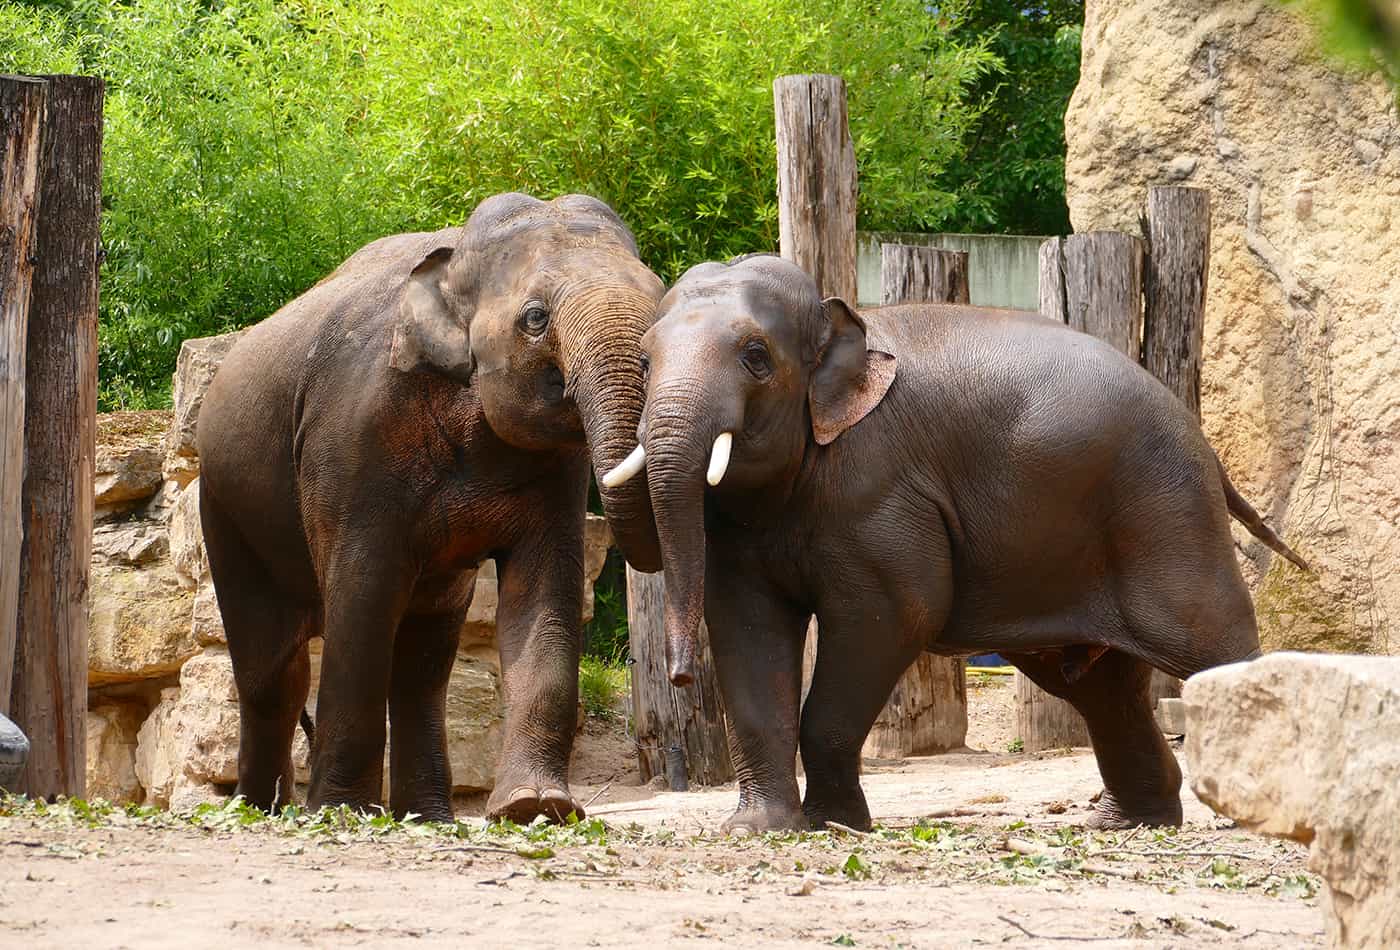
(432, 403)
(925, 477)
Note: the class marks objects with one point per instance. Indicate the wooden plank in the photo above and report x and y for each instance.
(912, 274)
(50, 679)
(687, 719)
(1103, 288)
(816, 181)
(1174, 313)
(21, 134)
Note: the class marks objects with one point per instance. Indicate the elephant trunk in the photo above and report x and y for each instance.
(678, 448)
(608, 389)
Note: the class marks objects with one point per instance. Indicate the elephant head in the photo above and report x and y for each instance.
(750, 372)
(542, 306)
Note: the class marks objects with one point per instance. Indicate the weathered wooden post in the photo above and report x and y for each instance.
(912, 274)
(21, 134)
(927, 710)
(816, 181)
(680, 731)
(50, 678)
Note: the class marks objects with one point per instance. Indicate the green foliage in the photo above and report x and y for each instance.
(601, 686)
(1012, 175)
(605, 636)
(251, 147)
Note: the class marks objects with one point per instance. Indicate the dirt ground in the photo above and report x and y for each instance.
(971, 849)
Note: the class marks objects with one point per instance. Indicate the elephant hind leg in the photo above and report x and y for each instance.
(1142, 781)
(266, 632)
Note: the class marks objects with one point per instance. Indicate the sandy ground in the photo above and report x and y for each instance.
(1001, 861)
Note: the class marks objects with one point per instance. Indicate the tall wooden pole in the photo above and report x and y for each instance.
(680, 730)
(21, 134)
(816, 181)
(1103, 284)
(927, 709)
(1174, 315)
(50, 677)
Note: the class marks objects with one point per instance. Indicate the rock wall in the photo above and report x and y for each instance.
(1301, 390)
(163, 708)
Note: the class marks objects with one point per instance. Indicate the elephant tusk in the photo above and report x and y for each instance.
(719, 458)
(628, 467)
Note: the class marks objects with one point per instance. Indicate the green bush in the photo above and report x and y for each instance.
(251, 146)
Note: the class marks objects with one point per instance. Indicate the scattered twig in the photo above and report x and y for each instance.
(1022, 846)
(966, 813)
(1168, 853)
(1109, 870)
(846, 829)
(498, 881)
(26, 844)
(1036, 936)
(597, 795)
(489, 849)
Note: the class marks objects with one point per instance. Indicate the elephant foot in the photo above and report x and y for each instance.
(852, 814)
(1112, 815)
(757, 819)
(522, 804)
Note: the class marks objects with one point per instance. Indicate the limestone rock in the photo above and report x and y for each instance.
(480, 625)
(199, 359)
(111, 752)
(139, 614)
(1301, 388)
(207, 624)
(1303, 746)
(127, 462)
(475, 723)
(187, 749)
(187, 537)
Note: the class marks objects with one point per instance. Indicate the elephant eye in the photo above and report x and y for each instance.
(756, 359)
(534, 318)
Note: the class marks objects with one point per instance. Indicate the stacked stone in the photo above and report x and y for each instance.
(163, 707)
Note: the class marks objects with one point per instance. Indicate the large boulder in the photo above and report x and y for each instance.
(1301, 388)
(127, 462)
(111, 752)
(1303, 746)
(195, 367)
(187, 749)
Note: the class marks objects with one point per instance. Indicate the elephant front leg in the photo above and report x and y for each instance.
(757, 643)
(858, 665)
(539, 628)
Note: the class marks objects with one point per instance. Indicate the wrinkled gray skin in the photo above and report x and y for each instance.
(430, 404)
(927, 478)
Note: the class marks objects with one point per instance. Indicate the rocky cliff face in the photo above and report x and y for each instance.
(163, 707)
(1301, 390)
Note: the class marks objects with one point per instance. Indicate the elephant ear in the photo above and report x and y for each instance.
(429, 337)
(850, 379)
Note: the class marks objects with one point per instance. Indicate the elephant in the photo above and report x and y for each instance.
(925, 478)
(434, 402)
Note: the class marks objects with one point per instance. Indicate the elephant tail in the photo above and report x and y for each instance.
(1244, 513)
(308, 727)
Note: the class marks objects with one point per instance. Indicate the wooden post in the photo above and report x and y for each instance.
(1174, 318)
(21, 132)
(1052, 281)
(1178, 221)
(912, 274)
(927, 709)
(816, 181)
(688, 719)
(50, 677)
(1103, 287)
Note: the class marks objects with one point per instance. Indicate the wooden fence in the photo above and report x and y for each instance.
(50, 202)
